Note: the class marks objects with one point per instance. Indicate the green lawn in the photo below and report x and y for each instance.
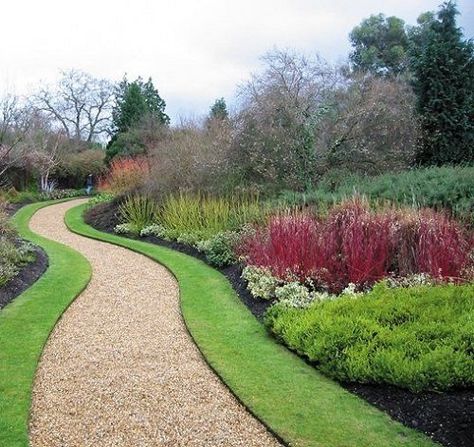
(26, 323)
(303, 407)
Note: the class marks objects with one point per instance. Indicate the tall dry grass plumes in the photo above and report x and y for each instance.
(125, 175)
(353, 244)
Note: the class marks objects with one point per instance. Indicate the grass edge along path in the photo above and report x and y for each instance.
(290, 397)
(26, 322)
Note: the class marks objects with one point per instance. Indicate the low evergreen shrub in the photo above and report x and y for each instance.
(420, 338)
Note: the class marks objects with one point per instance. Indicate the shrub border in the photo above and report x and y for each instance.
(27, 321)
(259, 372)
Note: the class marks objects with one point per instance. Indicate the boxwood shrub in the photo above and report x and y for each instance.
(420, 338)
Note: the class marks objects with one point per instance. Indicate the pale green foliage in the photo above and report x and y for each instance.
(124, 228)
(153, 230)
(101, 198)
(13, 256)
(261, 283)
(194, 218)
(138, 211)
(219, 249)
(294, 294)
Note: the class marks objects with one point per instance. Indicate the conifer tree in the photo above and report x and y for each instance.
(443, 67)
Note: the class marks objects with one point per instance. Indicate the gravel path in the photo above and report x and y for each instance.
(120, 369)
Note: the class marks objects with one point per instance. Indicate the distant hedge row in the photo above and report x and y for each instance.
(450, 188)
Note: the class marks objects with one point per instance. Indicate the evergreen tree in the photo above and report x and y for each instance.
(219, 110)
(135, 101)
(380, 45)
(443, 68)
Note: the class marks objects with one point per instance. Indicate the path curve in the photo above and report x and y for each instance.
(120, 368)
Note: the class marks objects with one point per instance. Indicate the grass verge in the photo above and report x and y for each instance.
(300, 405)
(26, 323)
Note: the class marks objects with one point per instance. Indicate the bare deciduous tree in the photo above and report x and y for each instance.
(79, 104)
(280, 109)
(40, 150)
(372, 127)
(13, 127)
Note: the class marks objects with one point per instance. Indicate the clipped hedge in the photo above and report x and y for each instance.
(420, 338)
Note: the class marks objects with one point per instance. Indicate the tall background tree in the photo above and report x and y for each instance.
(79, 104)
(138, 103)
(380, 45)
(443, 68)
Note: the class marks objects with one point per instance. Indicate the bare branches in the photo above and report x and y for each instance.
(13, 126)
(79, 104)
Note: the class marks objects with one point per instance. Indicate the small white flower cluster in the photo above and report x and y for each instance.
(153, 230)
(417, 279)
(124, 228)
(295, 294)
(350, 291)
(261, 283)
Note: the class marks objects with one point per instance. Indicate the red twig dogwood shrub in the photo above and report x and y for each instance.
(363, 249)
(356, 245)
(290, 245)
(443, 248)
(125, 175)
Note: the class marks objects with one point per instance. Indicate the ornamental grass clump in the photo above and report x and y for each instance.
(194, 217)
(137, 212)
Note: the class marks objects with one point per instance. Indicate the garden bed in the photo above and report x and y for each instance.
(27, 276)
(446, 417)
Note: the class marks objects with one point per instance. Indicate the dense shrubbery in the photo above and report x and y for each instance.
(13, 196)
(14, 253)
(125, 175)
(220, 249)
(213, 225)
(418, 337)
(449, 188)
(353, 244)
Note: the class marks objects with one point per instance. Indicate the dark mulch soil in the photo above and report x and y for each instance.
(29, 274)
(103, 217)
(448, 418)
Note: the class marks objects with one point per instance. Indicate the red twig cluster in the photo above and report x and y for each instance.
(356, 245)
(124, 174)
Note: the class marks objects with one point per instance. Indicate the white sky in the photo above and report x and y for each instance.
(195, 51)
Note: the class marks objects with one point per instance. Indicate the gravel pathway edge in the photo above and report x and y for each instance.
(121, 369)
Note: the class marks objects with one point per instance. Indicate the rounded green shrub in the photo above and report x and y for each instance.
(420, 338)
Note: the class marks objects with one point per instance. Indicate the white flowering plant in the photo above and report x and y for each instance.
(260, 282)
(153, 230)
(124, 228)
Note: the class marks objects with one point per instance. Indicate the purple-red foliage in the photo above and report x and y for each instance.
(355, 245)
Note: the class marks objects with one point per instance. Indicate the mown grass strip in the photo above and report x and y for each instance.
(303, 407)
(26, 323)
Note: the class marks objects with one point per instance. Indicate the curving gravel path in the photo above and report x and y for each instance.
(120, 369)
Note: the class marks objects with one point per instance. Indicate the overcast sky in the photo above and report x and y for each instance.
(195, 50)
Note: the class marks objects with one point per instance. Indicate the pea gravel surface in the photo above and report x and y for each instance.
(120, 369)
